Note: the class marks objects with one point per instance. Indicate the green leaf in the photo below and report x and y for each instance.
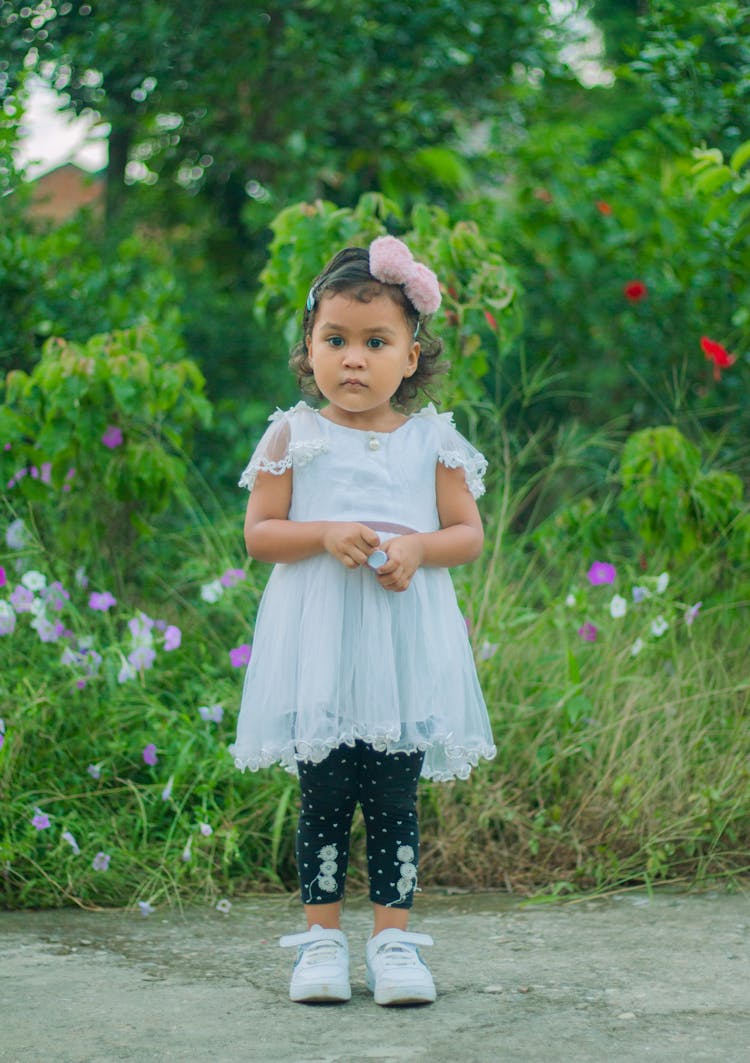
(740, 156)
(713, 179)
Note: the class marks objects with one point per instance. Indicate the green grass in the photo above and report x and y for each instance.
(612, 769)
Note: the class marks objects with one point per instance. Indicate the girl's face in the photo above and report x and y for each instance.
(359, 354)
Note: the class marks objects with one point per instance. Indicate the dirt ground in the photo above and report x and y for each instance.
(631, 977)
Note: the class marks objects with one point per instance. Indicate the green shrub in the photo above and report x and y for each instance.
(104, 427)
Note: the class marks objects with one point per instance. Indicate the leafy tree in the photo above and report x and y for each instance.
(323, 97)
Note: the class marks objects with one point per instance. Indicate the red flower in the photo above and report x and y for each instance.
(603, 207)
(635, 291)
(490, 320)
(717, 354)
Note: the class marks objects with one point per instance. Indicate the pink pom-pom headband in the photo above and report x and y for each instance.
(391, 262)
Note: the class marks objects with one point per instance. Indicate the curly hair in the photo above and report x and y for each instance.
(349, 271)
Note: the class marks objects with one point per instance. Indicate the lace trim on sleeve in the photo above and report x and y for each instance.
(281, 448)
(474, 466)
(455, 452)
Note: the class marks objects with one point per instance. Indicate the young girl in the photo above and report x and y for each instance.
(362, 677)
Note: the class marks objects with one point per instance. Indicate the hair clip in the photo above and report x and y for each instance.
(310, 304)
(416, 330)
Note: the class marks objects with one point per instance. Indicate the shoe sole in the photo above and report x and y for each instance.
(327, 993)
(403, 995)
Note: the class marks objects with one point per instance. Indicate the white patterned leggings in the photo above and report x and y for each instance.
(385, 785)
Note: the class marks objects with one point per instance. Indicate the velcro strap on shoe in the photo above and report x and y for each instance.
(308, 936)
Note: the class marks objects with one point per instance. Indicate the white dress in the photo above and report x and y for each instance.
(336, 657)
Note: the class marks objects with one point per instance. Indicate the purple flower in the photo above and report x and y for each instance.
(3, 578)
(231, 577)
(240, 655)
(142, 657)
(149, 754)
(212, 713)
(95, 771)
(21, 599)
(588, 632)
(601, 572)
(45, 473)
(488, 650)
(101, 862)
(101, 601)
(691, 613)
(112, 437)
(48, 630)
(187, 852)
(40, 820)
(81, 578)
(206, 829)
(167, 791)
(146, 908)
(55, 596)
(68, 837)
(172, 637)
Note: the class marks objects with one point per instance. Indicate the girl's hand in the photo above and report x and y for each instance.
(351, 544)
(405, 555)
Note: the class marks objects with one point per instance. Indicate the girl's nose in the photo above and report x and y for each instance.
(354, 355)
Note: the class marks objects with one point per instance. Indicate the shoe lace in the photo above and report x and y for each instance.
(323, 951)
(396, 954)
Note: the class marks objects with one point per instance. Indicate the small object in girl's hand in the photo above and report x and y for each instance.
(377, 558)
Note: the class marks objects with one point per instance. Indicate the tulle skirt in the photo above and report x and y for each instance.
(337, 658)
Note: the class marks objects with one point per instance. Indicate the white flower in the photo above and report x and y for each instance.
(224, 906)
(146, 908)
(206, 829)
(570, 600)
(167, 791)
(68, 837)
(127, 672)
(659, 626)
(662, 583)
(7, 618)
(329, 867)
(17, 535)
(404, 853)
(211, 592)
(618, 606)
(187, 852)
(80, 577)
(327, 884)
(33, 580)
(636, 648)
(487, 650)
(640, 593)
(328, 852)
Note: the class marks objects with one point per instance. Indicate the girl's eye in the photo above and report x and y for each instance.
(376, 343)
(336, 341)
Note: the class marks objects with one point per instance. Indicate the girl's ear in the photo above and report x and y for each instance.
(413, 359)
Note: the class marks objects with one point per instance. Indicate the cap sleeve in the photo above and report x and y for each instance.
(292, 438)
(456, 452)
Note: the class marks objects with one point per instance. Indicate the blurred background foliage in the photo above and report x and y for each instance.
(578, 174)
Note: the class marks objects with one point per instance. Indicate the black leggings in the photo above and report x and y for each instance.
(385, 784)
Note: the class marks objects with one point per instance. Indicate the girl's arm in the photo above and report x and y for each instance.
(459, 540)
(271, 536)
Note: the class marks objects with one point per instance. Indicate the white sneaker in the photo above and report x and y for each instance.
(321, 970)
(396, 973)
